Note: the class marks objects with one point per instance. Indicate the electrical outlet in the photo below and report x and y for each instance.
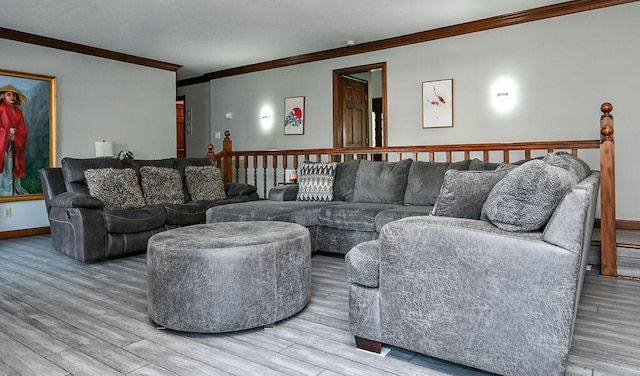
(7, 212)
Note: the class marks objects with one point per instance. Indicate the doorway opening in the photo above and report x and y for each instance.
(359, 106)
(181, 147)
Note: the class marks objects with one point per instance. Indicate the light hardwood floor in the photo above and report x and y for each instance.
(60, 317)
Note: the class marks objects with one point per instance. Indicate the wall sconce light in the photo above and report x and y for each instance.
(503, 94)
(104, 148)
(266, 115)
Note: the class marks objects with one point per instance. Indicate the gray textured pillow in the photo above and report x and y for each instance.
(527, 197)
(570, 163)
(381, 182)
(425, 180)
(345, 181)
(161, 185)
(478, 165)
(117, 188)
(204, 183)
(315, 181)
(463, 193)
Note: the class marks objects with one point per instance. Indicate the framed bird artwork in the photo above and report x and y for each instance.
(437, 104)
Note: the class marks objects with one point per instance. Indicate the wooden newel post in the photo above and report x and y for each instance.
(227, 148)
(607, 194)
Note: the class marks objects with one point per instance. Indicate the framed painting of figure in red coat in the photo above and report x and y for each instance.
(27, 133)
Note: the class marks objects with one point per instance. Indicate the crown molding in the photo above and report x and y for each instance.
(510, 19)
(83, 49)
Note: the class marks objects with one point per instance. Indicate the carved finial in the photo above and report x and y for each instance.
(606, 122)
(227, 134)
(210, 153)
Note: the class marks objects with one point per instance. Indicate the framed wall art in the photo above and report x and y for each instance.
(437, 104)
(294, 115)
(27, 133)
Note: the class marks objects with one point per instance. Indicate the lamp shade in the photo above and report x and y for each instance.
(104, 149)
(287, 175)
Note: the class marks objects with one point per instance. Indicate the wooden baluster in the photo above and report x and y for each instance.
(285, 161)
(607, 194)
(255, 170)
(485, 155)
(527, 154)
(274, 164)
(246, 169)
(237, 159)
(264, 175)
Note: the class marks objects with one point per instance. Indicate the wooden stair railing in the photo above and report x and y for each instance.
(268, 166)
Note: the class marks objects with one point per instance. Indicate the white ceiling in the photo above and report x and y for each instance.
(210, 35)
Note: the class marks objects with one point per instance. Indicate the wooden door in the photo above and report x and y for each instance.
(355, 113)
(181, 150)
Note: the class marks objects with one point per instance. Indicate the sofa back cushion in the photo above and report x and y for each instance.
(425, 180)
(73, 171)
(136, 164)
(381, 182)
(345, 181)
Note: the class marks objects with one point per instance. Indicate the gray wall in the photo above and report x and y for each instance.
(563, 69)
(97, 99)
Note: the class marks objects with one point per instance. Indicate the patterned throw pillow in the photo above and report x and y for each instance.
(315, 181)
(161, 185)
(205, 183)
(117, 188)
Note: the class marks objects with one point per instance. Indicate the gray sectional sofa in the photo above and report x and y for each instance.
(477, 263)
(85, 228)
(366, 195)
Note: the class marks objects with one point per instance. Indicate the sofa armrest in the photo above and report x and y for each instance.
(287, 192)
(238, 189)
(504, 293)
(75, 200)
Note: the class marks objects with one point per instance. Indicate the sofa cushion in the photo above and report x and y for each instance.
(525, 199)
(188, 213)
(478, 165)
(135, 220)
(73, 171)
(362, 264)
(161, 185)
(569, 163)
(137, 164)
(354, 216)
(118, 189)
(463, 193)
(315, 181)
(425, 180)
(304, 213)
(381, 182)
(400, 212)
(204, 183)
(345, 181)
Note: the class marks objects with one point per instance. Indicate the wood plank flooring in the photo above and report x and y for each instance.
(62, 317)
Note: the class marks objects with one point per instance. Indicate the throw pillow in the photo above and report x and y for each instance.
(117, 188)
(204, 183)
(464, 192)
(570, 163)
(425, 180)
(381, 182)
(161, 185)
(527, 197)
(315, 181)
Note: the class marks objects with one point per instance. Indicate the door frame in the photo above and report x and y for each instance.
(337, 99)
(182, 98)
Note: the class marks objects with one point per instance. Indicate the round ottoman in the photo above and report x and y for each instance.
(228, 276)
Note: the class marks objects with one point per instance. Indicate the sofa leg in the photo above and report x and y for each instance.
(368, 345)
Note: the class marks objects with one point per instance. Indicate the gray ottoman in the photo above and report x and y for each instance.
(228, 276)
